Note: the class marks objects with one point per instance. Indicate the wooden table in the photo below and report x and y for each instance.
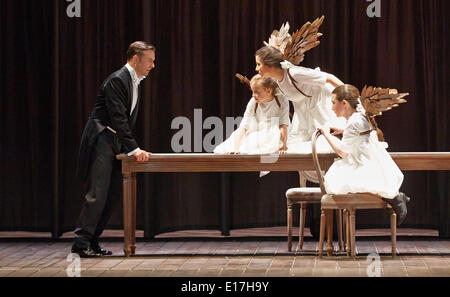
(241, 163)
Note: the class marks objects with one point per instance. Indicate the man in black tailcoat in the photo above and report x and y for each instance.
(106, 134)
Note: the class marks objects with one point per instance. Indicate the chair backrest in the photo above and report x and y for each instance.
(316, 161)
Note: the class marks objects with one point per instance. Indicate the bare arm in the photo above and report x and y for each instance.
(334, 81)
(283, 138)
(237, 143)
(327, 136)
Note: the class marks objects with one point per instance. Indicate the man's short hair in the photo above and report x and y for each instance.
(136, 48)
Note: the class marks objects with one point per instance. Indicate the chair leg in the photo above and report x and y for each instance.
(289, 225)
(347, 232)
(394, 233)
(322, 232)
(339, 222)
(353, 233)
(330, 232)
(302, 224)
(302, 179)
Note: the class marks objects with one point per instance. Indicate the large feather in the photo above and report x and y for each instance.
(279, 39)
(244, 80)
(302, 41)
(378, 100)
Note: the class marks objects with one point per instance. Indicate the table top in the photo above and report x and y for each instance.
(251, 163)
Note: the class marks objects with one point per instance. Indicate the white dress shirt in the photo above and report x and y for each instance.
(136, 81)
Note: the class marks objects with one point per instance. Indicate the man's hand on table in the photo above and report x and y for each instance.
(142, 156)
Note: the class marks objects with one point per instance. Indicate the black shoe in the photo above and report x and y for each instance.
(406, 198)
(399, 206)
(102, 252)
(99, 250)
(86, 253)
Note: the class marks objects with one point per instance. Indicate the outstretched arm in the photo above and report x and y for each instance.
(283, 138)
(334, 81)
(327, 135)
(237, 143)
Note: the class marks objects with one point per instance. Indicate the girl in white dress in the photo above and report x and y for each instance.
(366, 166)
(310, 92)
(263, 129)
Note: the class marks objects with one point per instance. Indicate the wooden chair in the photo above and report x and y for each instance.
(350, 203)
(304, 196)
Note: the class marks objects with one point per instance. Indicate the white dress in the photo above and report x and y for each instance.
(368, 168)
(309, 113)
(263, 128)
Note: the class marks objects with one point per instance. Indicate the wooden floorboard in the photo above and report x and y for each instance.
(260, 252)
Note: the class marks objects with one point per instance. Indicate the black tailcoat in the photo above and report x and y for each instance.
(112, 108)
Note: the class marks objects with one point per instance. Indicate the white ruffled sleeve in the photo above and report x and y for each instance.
(352, 133)
(350, 139)
(307, 76)
(249, 114)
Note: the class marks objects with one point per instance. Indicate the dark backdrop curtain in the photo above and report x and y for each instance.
(52, 66)
(26, 143)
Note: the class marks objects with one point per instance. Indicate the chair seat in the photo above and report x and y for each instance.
(353, 201)
(304, 194)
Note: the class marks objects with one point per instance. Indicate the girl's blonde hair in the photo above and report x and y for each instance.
(266, 82)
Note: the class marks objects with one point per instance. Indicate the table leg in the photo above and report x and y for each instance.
(133, 214)
(225, 204)
(129, 213)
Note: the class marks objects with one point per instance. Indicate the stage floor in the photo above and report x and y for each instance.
(247, 253)
(268, 232)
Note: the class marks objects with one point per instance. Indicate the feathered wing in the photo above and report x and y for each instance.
(302, 41)
(378, 100)
(243, 79)
(280, 39)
